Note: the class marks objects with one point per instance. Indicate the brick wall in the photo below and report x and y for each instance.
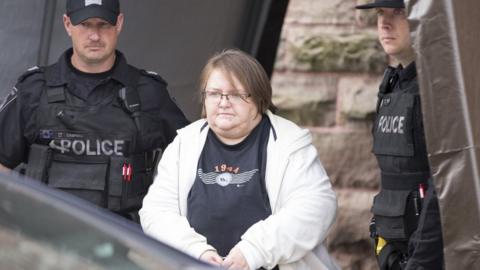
(326, 77)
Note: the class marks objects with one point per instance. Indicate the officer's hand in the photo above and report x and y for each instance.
(235, 260)
(212, 257)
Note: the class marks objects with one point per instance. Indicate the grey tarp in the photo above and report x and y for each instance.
(447, 41)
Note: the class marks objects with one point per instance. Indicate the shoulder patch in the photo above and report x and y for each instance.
(33, 68)
(154, 75)
(30, 71)
(152, 72)
(9, 98)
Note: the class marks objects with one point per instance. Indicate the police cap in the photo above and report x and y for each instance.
(80, 10)
(383, 4)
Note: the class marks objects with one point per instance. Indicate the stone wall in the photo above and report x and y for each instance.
(326, 77)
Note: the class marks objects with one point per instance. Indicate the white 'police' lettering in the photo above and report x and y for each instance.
(106, 146)
(78, 147)
(391, 124)
(89, 150)
(89, 147)
(118, 147)
(65, 145)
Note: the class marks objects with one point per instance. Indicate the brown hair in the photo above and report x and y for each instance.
(247, 70)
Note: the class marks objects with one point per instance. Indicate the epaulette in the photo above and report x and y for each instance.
(29, 72)
(154, 75)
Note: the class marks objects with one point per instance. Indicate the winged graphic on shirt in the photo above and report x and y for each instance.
(225, 178)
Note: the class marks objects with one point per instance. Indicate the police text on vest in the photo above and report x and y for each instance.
(89, 147)
(391, 124)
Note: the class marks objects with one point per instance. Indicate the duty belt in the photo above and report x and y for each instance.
(404, 181)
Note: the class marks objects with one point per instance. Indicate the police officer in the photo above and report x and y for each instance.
(406, 224)
(90, 124)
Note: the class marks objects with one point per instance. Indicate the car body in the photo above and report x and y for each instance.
(43, 228)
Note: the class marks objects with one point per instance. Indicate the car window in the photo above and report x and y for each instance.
(20, 252)
(43, 228)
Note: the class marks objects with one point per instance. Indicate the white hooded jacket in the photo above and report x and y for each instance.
(301, 197)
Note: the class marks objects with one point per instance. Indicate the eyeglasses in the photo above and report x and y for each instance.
(234, 98)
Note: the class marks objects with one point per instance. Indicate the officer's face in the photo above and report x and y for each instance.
(231, 119)
(394, 32)
(94, 41)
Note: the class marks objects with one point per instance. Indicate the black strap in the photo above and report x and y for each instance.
(406, 181)
(130, 99)
(386, 85)
(39, 159)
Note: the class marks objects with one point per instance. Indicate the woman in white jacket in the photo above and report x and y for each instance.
(242, 188)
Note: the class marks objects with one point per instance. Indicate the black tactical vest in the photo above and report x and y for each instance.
(92, 151)
(399, 146)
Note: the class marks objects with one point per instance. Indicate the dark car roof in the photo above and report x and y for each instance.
(45, 228)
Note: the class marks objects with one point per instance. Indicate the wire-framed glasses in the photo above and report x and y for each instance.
(234, 98)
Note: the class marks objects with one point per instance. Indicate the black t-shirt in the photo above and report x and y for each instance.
(229, 193)
(83, 84)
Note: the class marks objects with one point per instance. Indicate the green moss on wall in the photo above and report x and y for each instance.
(359, 53)
(314, 114)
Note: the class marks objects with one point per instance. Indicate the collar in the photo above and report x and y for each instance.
(407, 73)
(59, 73)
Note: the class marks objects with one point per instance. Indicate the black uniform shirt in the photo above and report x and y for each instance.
(17, 114)
(83, 84)
(407, 77)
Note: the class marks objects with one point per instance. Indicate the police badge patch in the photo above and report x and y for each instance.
(11, 97)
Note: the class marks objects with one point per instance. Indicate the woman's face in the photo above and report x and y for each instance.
(231, 112)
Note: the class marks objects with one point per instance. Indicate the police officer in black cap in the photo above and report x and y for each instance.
(406, 224)
(90, 124)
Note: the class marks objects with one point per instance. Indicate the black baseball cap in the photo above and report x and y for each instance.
(80, 10)
(384, 4)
